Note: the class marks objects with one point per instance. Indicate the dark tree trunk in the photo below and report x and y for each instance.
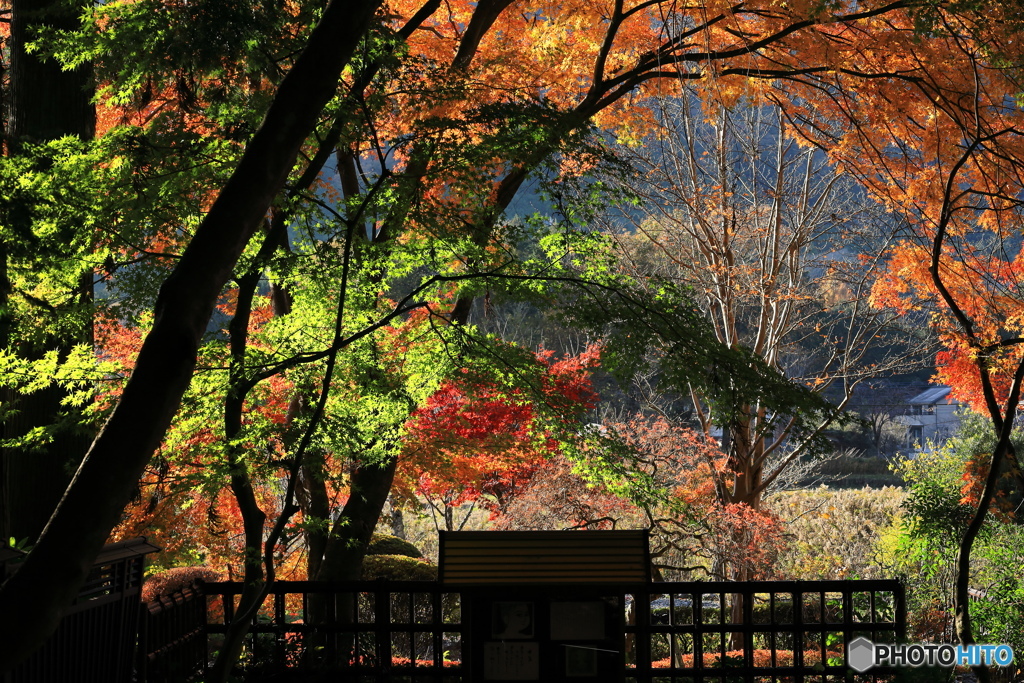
(253, 517)
(51, 575)
(369, 487)
(342, 560)
(316, 508)
(44, 102)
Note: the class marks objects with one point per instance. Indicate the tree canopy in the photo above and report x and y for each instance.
(293, 221)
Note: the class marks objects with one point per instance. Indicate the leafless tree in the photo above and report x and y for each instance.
(770, 237)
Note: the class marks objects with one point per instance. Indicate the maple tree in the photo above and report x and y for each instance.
(435, 115)
(649, 473)
(701, 519)
(974, 190)
(556, 497)
(936, 138)
(100, 489)
(384, 229)
(482, 446)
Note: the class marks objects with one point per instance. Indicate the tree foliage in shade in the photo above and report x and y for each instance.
(59, 562)
(46, 286)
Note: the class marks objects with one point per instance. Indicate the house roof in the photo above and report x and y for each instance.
(930, 396)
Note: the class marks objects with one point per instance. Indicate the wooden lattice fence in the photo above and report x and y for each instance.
(95, 642)
(420, 632)
(173, 646)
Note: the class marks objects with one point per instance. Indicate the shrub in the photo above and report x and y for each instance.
(923, 544)
(383, 544)
(398, 568)
(172, 580)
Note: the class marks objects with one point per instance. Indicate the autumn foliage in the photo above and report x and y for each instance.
(668, 479)
(433, 117)
(762, 658)
(483, 443)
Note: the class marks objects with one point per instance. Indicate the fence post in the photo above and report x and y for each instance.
(748, 624)
(382, 617)
(900, 595)
(141, 660)
(279, 621)
(697, 610)
(437, 635)
(798, 632)
(642, 621)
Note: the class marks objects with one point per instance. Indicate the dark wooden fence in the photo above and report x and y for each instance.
(419, 632)
(173, 646)
(785, 630)
(424, 632)
(375, 631)
(95, 642)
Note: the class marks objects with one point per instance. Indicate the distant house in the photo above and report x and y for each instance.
(932, 417)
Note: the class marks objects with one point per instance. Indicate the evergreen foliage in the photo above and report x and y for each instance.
(385, 544)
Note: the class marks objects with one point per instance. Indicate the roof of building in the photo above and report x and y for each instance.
(595, 556)
(930, 396)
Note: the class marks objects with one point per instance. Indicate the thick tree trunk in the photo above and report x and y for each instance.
(746, 451)
(50, 577)
(745, 457)
(345, 549)
(352, 530)
(44, 103)
(316, 510)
